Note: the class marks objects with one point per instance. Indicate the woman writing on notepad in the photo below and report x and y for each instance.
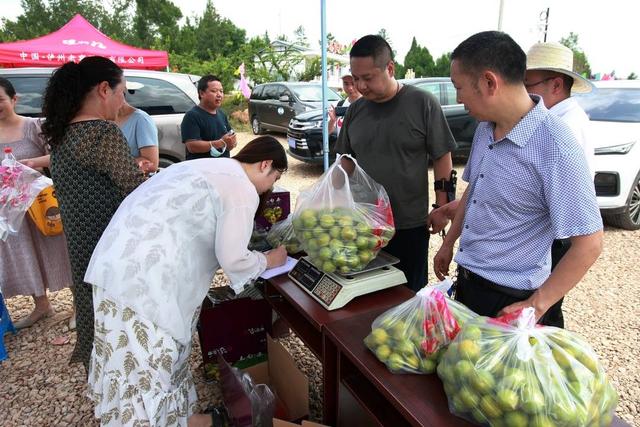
(153, 267)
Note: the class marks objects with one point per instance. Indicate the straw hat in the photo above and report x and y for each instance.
(558, 58)
(345, 72)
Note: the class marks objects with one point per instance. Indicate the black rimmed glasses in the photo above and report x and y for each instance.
(530, 85)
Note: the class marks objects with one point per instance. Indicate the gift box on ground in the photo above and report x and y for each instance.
(236, 329)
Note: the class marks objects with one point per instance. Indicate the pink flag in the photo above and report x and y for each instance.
(244, 87)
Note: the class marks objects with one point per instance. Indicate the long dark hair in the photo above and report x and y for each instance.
(67, 90)
(259, 149)
(264, 148)
(8, 87)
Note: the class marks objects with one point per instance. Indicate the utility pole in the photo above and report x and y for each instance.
(544, 16)
(500, 12)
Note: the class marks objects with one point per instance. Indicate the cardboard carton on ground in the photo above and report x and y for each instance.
(280, 373)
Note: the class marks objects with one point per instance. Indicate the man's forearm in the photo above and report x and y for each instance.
(584, 251)
(456, 225)
(201, 146)
(442, 170)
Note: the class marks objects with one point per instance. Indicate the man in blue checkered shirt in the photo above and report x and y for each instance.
(528, 183)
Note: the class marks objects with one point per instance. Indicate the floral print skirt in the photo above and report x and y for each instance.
(138, 374)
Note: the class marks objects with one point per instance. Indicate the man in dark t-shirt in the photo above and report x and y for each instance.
(393, 130)
(205, 129)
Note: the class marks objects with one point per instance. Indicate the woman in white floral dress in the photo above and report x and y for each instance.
(153, 267)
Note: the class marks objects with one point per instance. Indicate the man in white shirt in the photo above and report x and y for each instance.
(550, 75)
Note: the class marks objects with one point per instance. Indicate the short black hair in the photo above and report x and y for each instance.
(374, 46)
(203, 83)
(495, 51)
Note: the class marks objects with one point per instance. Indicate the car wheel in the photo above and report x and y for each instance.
(629, 219)
(256, 127)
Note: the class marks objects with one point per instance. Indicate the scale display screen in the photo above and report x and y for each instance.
(306, 274)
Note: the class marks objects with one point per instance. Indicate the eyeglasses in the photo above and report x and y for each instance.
(530, 85)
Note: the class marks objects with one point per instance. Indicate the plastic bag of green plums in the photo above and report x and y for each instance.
(510, 371)
(411, 337)
(344, 219)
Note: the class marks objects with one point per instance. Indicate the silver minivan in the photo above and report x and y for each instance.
(164, 96)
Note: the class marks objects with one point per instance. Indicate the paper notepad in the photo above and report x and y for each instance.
(276, 271)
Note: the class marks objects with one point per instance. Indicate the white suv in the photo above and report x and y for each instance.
(164, 96)
(614, 110)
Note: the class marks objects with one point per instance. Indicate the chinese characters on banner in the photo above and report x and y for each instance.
(62, 58)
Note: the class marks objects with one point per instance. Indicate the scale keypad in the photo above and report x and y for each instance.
(326, 290)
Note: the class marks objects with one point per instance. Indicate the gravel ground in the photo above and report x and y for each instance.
(39, 388)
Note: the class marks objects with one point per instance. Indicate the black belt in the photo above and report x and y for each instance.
(470, 276)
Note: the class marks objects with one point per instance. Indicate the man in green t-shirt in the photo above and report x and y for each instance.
(205, 129)
(393, 130)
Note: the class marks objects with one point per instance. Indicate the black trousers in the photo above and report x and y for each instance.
(487, 298)
(558, 249)
(410, 247)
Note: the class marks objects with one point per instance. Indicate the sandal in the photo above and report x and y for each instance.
(31, 319)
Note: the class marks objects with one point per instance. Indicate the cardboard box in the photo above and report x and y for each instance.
(277, 208)
(236, 329)
(282, 376)
(280, 423)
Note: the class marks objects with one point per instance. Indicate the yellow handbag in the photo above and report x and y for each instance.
(45, 212)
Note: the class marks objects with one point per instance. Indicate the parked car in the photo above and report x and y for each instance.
(614, 110)
(304, 134)
(273, 105)
(164, 96)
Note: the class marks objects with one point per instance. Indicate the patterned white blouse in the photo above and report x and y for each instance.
(164, 244)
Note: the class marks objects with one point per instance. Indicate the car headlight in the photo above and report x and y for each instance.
(615, 149)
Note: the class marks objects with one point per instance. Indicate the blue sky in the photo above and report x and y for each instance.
(608, 30)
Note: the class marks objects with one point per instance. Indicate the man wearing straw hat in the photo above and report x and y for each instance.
(550, 75)
(528, 184)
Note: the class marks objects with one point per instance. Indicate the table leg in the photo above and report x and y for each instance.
(329, 382)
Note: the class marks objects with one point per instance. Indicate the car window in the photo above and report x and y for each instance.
(257, 92)
(450, 95)
(313, 93)
(612, 105)
(433, 88)
(270, 92)
(30, 90)
(158, 97)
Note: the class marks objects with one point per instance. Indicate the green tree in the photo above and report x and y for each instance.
(443, 65)
(154, 22)
(580, 62)
(632, 76)
(40, 18)
(420, 60)
(400, 71)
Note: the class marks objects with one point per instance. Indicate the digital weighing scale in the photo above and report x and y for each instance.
(334, 290)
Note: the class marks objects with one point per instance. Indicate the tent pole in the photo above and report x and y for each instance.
(325, 93)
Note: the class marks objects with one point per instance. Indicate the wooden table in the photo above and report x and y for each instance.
(369, 394)
(308, 318)
(384, 398)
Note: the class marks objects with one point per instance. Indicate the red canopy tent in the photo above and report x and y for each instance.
(77, 39)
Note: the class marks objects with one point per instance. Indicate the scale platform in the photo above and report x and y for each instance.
(334, 290)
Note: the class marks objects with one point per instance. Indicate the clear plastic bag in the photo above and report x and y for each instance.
(344, 219)
(282, 233)
(262, 399)
(510, 371)
(19, 186)
(411, 337)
